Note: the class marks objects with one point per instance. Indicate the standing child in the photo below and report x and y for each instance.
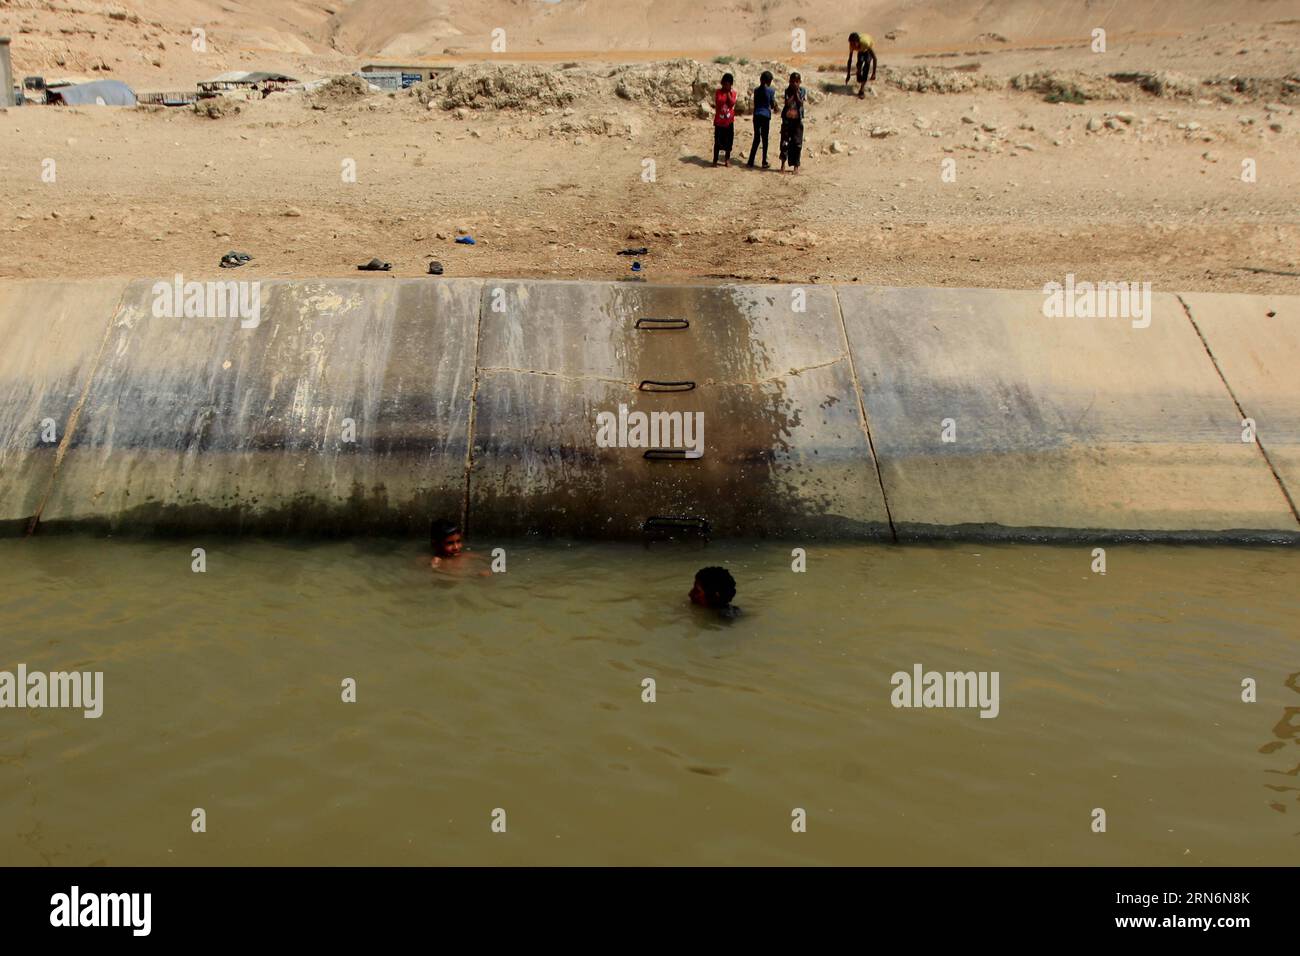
(724, 119)
(792, 123)
(764, 104)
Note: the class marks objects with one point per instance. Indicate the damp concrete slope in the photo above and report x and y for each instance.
(620, 409)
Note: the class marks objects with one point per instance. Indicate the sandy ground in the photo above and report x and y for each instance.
(556, 190)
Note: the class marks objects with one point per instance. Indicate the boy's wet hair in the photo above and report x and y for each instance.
(766, 78)
(854, 38)
(718, 585)
(728, 78)
(440, 530)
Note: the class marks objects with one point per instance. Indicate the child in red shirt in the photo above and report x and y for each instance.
(724, 119)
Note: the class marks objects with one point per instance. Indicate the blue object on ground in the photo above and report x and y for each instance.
(465, 240)
(636, 267)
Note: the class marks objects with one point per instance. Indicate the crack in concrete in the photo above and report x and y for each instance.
(559, 375)
(633, 384)
(862, 410)
(1187, 310)
(73, 416)
(473, 416)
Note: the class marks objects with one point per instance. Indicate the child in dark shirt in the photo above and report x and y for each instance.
(764, 104)
(792, 123)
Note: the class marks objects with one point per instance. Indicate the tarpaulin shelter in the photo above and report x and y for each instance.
(97, 93)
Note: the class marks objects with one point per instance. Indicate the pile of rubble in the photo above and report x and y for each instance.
(490, 86)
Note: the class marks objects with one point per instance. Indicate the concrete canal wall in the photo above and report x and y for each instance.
(370, 405)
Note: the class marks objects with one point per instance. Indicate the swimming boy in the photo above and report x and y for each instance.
(449, 554)
(860, 43)
(715, 588)
(446, 540)
(764, 104)
(724, 119)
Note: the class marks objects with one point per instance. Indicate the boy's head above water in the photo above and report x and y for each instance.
(714, 587)
(446, 539)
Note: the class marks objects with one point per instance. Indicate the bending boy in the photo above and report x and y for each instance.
(860, 43)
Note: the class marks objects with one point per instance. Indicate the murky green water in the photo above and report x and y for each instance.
(523, 691)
